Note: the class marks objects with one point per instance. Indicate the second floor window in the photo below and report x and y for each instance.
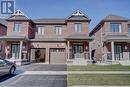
(116, 27)
(17, 27)
(58, 30)
(128, 30)
(78, 27)
(40, 30)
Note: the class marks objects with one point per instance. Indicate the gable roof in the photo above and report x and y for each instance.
(50, 21)
(110, 17)
(3, 22)
(115, 17)
(78, 15)
(18, 15)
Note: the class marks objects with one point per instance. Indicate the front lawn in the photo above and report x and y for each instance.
(98, 68)
(100, 79)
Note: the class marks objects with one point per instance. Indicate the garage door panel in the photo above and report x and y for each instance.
(57, 56)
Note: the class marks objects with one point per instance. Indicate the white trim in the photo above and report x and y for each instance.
(112, 50)
(78, 13)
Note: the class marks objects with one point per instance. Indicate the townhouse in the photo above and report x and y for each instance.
(3, 30)
(48, 40)
(112, 40)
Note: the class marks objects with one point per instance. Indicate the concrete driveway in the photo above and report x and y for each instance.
(37, 79)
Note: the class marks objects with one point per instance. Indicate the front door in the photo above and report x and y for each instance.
(78, 51)
(118, 52)
(15, 49)
(38, 55)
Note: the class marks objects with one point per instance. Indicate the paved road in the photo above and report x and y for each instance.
(29, 80)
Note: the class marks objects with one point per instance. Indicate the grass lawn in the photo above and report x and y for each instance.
(98, 68)
(89, 79)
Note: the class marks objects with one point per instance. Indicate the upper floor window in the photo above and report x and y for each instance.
(78, 27)
(129, 30)
(17, 27)
(116, 27)
(58, 30)
(40, 30)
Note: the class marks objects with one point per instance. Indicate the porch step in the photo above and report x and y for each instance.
(79, 61)
(125, 63)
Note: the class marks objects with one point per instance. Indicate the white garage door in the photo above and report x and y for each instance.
(57, 56)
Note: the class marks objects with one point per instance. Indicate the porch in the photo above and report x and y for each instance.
(79, 49)
(117, 50)
(16, 49)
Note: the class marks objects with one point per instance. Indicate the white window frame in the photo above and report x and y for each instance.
(115, 30)
(78, 27)
(17, 28)
(40, 30)
(58, 30)
(128, 30)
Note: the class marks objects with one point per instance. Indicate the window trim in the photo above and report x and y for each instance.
(20, 29)
(128, 30)
(43, 30)
(115, 31)
(76, 29)
(59, 30)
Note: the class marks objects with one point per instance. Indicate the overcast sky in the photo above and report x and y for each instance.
(95, 9)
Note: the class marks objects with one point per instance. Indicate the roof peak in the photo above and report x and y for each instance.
(78, 13)
(18, 13)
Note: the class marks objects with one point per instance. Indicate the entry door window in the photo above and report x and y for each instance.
(15, 49)
(118, 52)
(78, 51)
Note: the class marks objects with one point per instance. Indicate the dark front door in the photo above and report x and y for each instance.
(118, 52)
(40, 55)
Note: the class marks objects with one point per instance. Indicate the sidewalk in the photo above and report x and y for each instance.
(99, 86)
(98, 72)
(72, 72)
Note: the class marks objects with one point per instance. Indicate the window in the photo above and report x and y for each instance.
(15, 50)
(116, 27)
(58, 30)
(17, 27)
(128, 30)
(78, 27)
(40, 30)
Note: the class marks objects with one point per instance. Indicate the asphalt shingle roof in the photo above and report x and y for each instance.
(114, 17)
(50, 20)
(3, 22)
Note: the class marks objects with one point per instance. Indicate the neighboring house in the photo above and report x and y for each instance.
(48, 40)
(3, 30)
(112, 39)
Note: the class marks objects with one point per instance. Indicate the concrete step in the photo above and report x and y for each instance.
(79, 61)
(125, 63)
